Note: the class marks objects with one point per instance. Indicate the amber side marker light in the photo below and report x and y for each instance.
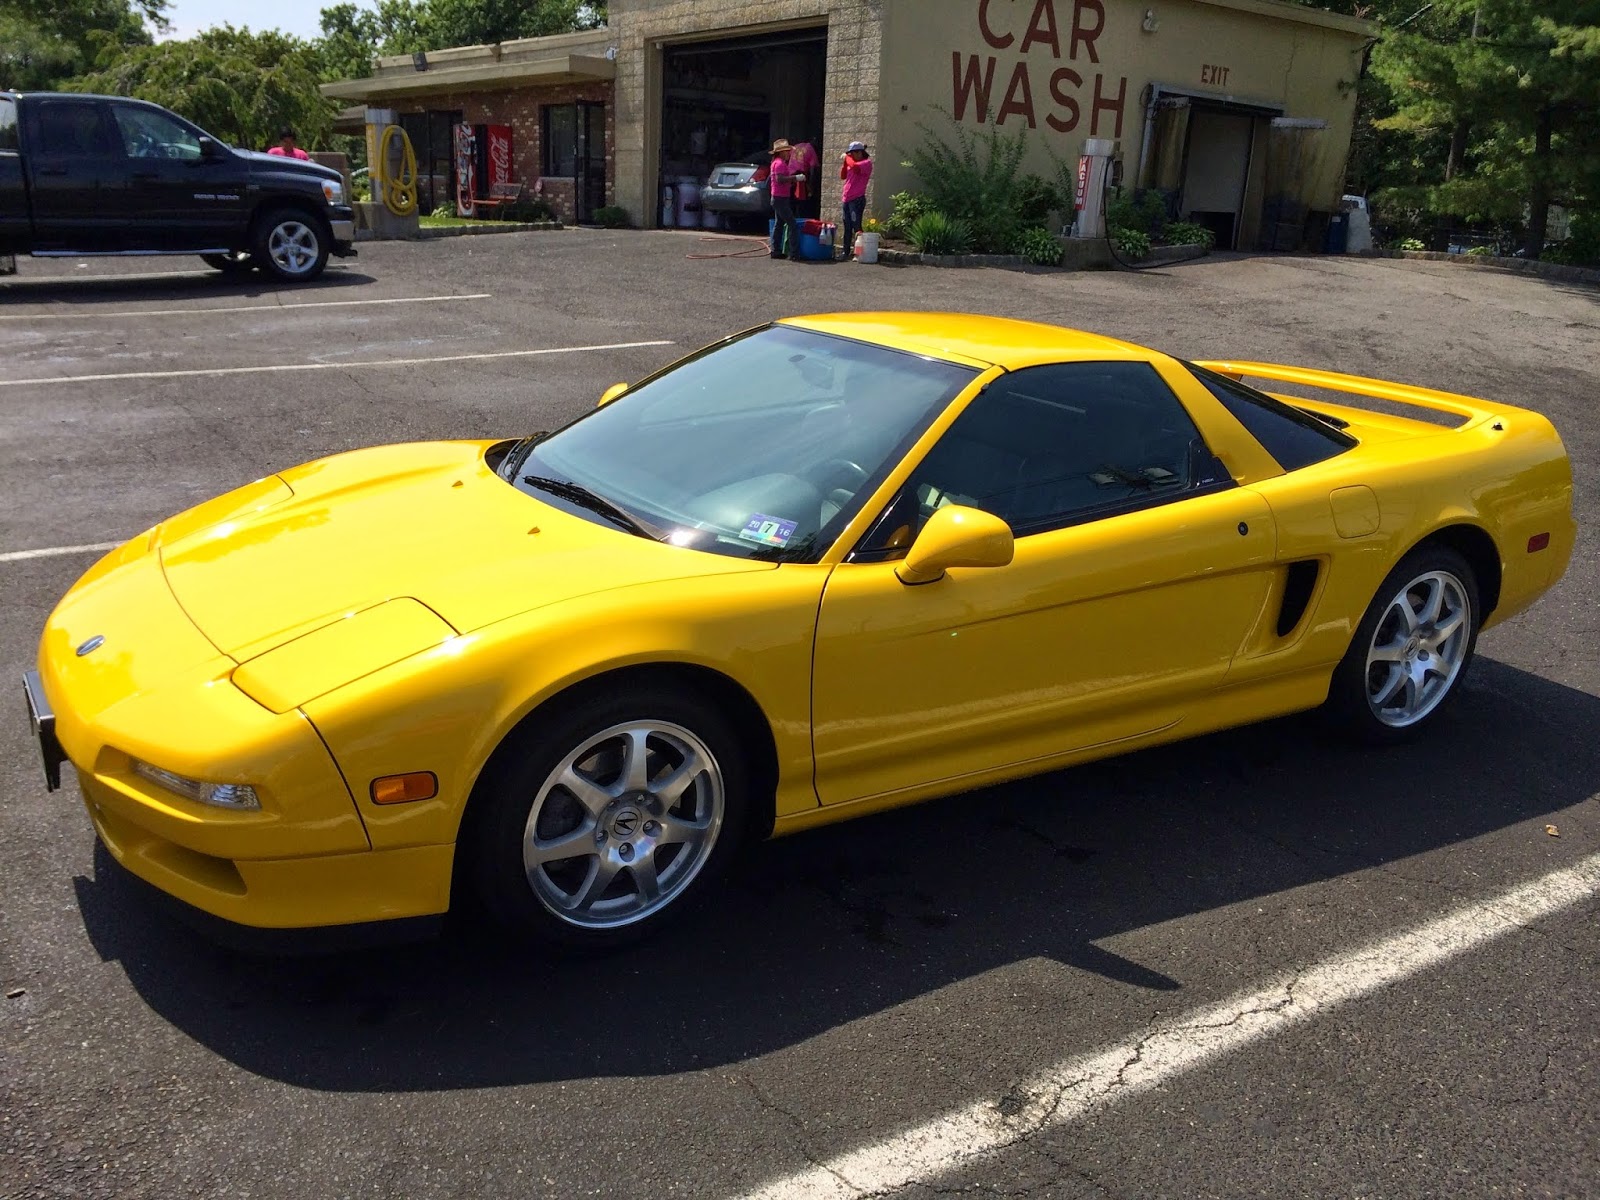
(1538, 542)
(402, 789)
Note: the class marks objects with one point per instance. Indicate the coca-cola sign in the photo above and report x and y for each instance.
(499, 154)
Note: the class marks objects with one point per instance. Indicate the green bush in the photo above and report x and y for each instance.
(978, 179)
(904, 209)
(1039, 246)
(611, 217)
(1482, 251)
(1582, 245)
(1412, 243)
(1036, 199)
(1131, 244)
(935, 233)
(1190, 233)
(1145, 212)
(534, 208)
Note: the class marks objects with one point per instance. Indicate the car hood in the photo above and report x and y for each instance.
(293, 166)
(429, 522)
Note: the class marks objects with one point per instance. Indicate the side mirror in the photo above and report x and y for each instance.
(611, 393)
(956, 537)
(209, 149)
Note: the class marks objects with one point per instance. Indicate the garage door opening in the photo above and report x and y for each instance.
(726, 102)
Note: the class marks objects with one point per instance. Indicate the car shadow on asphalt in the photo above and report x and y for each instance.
(827, 927)
(91, 290)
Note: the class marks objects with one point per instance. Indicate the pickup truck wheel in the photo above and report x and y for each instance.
(292, 245)
(236, 263)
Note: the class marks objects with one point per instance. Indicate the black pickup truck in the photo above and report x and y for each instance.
(103, 175)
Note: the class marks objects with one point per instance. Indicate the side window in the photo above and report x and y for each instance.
(561, 140)
(1296, 439)
(1056, 445)
(74, 129)
(147, 133)
(8, 126)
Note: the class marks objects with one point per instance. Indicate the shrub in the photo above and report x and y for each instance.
(1039, 246)
(611, 217)
(1582, 246)
(1131, 244)
(978, 179)
(1142, 211)
(904, 209)
(1190, 233)
(935, 233)
(1036, 198)
(1412, 243)
(534, 208)
(1483, 251)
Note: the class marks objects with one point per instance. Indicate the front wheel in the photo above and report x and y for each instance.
(1411, 649)
(291, 245)
(609, 818)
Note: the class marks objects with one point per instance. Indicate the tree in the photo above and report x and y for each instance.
(352, 36)
(43, 44)
(1518, 105)
(241, 86)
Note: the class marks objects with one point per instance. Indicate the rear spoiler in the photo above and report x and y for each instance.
(1465, 407)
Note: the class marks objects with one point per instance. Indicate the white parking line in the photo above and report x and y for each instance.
(53, 551)
(328, 366)
(238, 308)
(1077, 1087)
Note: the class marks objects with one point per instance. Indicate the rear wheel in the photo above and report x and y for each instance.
(1411, 649)
(291, 245)
(608, 819)
(236, 262)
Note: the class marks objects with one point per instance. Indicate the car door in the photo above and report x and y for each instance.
(1140, 568)
(77, 175)
(181, 199)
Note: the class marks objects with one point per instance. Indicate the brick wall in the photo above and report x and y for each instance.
(521, 108)
(855, 54)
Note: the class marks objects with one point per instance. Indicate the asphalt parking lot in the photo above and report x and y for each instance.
(1083, 985)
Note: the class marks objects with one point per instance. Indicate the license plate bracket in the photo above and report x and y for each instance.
(42, 720)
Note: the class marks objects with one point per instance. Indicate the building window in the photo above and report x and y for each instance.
(561, 140)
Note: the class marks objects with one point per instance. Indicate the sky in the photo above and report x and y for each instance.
(299, 17)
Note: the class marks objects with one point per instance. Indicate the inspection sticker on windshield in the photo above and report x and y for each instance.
(769, 531)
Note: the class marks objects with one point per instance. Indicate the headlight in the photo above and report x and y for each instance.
(237, 796)
(333, 191)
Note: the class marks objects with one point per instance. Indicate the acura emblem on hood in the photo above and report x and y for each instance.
(93, 644)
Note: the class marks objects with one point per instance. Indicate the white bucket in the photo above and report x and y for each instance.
(688, 205)
(710, 218)
(869, 247)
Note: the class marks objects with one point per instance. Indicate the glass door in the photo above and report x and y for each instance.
(589, 184)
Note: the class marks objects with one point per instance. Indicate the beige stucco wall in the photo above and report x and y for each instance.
(641, 27)
(1066, 88)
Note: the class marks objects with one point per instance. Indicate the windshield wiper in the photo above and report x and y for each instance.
(576, 493)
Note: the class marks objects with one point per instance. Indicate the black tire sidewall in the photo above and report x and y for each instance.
(498, 812)
(264, 227)
(1347, 707)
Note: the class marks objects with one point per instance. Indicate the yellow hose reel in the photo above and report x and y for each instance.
(398, 185)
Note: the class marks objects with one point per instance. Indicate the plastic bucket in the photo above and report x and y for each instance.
(869, 247)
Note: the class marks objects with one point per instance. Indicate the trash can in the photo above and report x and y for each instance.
(1337, 239)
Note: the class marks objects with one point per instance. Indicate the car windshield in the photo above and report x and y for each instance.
(763, 446)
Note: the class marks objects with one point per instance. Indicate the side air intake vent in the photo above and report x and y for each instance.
(1297, 589)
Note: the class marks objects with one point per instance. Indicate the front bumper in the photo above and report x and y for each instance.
(344, 236)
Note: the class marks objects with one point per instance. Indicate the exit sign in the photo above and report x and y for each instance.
(1214, 75)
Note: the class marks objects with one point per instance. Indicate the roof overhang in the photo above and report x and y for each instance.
(1279, 10)
(540, 72)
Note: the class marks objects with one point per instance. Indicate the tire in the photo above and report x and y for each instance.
(563, 785)
(1397, 677)
(291, 245)
(238, 262)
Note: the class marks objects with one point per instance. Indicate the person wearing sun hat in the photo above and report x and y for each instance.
(855, 168)
(780, 179)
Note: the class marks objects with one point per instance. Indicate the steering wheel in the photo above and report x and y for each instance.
(832, 468)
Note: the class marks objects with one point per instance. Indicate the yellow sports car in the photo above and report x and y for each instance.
(823, 567)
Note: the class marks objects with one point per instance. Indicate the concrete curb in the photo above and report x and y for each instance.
(1524, 266)
(425, 234)
(1078, 255)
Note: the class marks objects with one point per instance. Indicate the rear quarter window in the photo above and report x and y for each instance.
(1294, 438)
(8, 126)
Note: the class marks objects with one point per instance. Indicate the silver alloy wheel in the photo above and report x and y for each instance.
(293, 247)
(1418, 648)
(623, 824)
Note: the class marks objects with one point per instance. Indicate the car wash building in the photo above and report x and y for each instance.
(1241, 109)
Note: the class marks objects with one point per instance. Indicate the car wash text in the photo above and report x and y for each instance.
(1057, 30)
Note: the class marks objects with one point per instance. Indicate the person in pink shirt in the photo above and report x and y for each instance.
(286, 145)
(780, 181)
(855, 168)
